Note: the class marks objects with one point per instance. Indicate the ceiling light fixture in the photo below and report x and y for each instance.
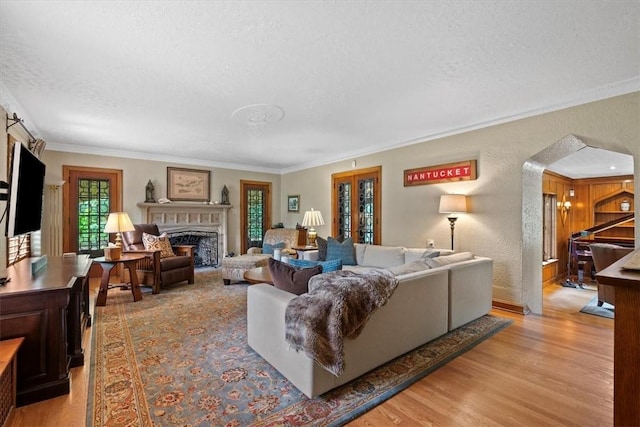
(258, 114)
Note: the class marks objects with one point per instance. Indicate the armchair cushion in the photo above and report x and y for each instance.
(160, 242)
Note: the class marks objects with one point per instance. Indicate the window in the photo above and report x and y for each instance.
(93, 207)
(549, 226)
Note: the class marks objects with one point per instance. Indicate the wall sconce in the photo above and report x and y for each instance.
(565, 207)
(572, 192)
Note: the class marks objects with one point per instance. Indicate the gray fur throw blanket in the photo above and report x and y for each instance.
(337, 306)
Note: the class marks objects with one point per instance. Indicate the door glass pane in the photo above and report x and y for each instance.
(344, 210)
(366, 214)
(93, 210)
(255, 214)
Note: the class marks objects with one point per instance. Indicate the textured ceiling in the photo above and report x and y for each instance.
(162, 80)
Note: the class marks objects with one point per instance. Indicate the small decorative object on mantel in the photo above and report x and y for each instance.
(225, 196)
(149, 191)
(625, 205)
(450, 172)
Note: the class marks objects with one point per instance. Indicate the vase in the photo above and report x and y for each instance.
(625, 206)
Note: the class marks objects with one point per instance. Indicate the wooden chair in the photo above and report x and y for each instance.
(605, 254)
(154, 270)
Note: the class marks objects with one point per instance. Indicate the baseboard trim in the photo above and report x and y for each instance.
(509, 306)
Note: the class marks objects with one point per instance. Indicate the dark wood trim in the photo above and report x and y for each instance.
(509, 306)
(600, 180)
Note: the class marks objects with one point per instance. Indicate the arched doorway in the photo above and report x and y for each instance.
(532, 213)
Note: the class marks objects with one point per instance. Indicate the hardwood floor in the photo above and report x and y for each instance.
(555, 369)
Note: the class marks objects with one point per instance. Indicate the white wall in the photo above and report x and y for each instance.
(494, 226)
(136, 174)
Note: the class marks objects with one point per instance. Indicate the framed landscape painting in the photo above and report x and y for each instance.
(189, 185)
(293, 204)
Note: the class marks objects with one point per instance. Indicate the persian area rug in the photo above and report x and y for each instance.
(606, 310)
(181, 358)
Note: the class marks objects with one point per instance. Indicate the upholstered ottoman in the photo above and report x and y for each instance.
(233, 268)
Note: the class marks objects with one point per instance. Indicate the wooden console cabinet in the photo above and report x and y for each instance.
(626, 340)
(51, 311)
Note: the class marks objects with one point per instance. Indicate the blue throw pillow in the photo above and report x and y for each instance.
(327, 266)
(343, 251)
(302, 263)
(268, 249)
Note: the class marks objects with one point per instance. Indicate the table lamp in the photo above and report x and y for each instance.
(311, 219)
(117, 223)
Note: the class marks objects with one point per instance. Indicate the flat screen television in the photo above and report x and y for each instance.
(26, 188)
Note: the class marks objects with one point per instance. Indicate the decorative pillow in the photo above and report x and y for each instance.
(291, 279)
(268, 248)
(412, 267)
(322, 247)
(161, 242)
(415, 254)
(327, 266)
(382, 256)
(448, 259)
(429, 254)
(343, 251)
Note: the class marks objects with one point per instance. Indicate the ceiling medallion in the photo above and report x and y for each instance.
(258, 114)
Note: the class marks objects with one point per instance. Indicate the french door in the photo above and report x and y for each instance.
(356, 200)
(255, 213)
(89, 196)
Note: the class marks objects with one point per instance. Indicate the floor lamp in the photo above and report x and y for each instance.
(453, 204)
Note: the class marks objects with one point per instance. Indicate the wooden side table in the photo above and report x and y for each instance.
(129, 261)
(302, 249)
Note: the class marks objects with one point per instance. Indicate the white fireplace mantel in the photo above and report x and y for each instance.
(176, 216)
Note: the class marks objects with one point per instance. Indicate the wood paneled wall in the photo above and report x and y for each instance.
(581, 216)
(590, 192)
(560, 185)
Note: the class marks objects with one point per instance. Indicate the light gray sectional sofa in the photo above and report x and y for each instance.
(425, 305)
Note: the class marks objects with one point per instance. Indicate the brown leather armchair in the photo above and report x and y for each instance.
(157, 271)
(605, 254)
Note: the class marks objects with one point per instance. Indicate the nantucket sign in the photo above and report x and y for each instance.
(450, 172)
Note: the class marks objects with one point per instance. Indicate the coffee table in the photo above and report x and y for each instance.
(258, 275)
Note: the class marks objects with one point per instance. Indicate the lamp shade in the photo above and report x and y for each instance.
(312, 218)
(118, 222)
(453, 203)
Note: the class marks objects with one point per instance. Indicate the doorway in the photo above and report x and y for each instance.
(356, 200)
(88, 198)
(255, 213)
(532, 215)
